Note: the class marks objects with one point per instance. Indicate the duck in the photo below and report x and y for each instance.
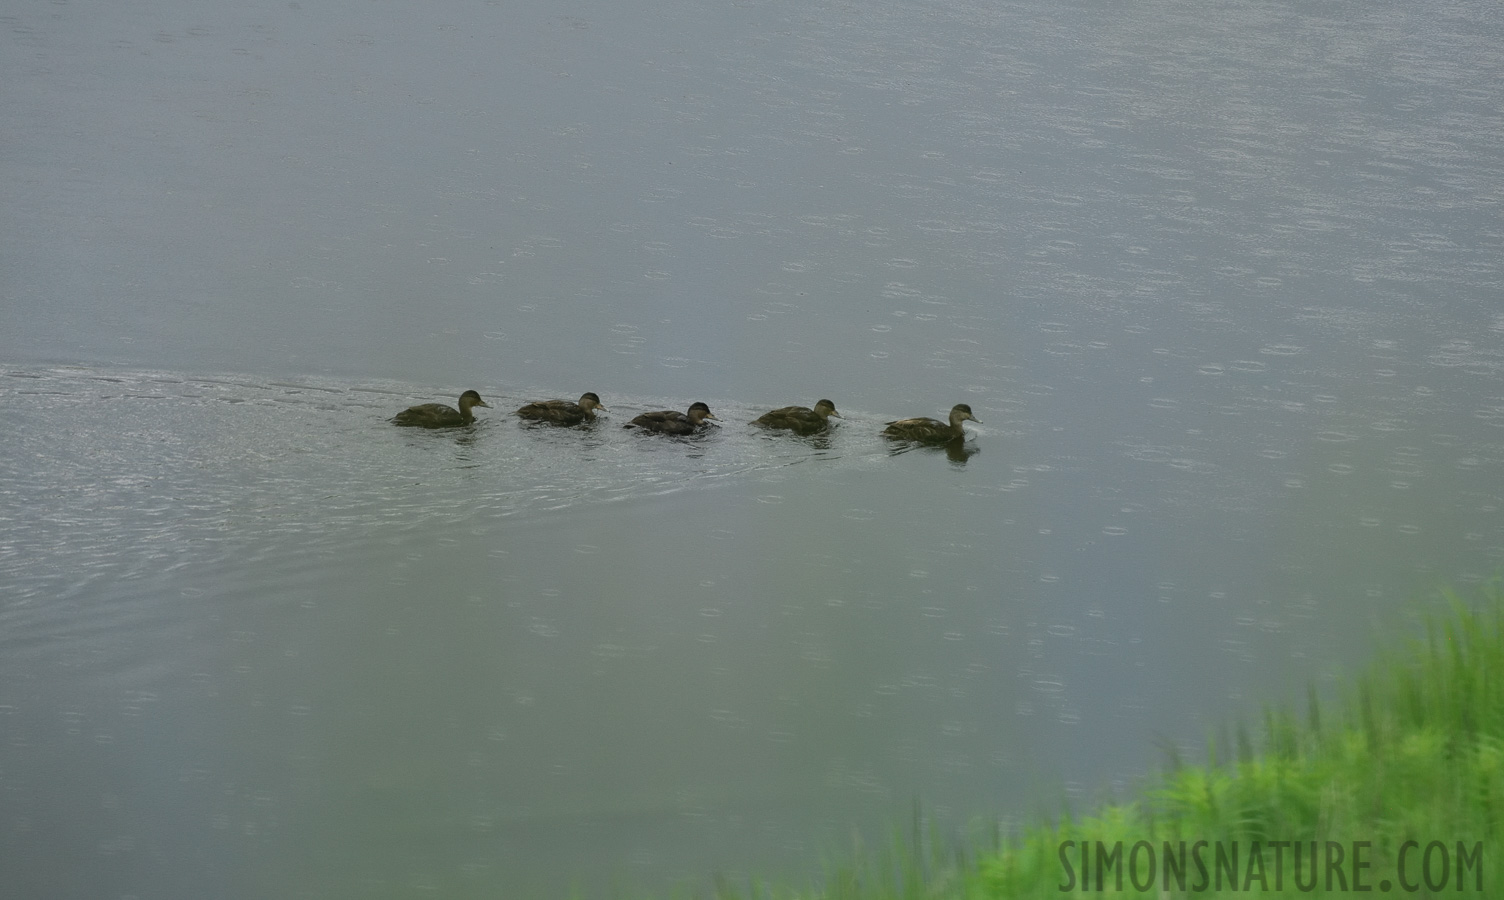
(439, 415)
(931, 431)
(800, 419)
(668, 421)
(563, 412)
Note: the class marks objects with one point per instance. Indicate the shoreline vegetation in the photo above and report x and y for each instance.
(1396, 789)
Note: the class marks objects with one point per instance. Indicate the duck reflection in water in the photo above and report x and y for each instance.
(958, 451)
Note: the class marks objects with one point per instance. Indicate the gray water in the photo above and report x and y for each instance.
(1222, 282)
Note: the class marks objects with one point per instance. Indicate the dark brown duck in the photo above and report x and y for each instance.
(800, 419)
(563, 412)
(668, 421)
(931, 431)
(439, 415)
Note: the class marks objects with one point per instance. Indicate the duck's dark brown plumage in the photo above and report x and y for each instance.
(439, 415)
(931, 431)
(563, 412)
(668, 421)
(800, 419)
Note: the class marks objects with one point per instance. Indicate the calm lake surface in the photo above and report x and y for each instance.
(1221, 281)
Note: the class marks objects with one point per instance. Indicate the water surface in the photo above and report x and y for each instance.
(1220, 282)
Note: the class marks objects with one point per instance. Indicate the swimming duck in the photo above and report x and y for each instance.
(563, 412)
(438, 415)
(800, 419)
(931, 431)
(668, 421)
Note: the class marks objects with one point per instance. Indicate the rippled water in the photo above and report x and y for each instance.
(1221, 282)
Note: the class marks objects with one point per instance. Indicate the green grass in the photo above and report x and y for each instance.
(1414, 751)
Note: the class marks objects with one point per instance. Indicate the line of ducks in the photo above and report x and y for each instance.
(798, 419)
